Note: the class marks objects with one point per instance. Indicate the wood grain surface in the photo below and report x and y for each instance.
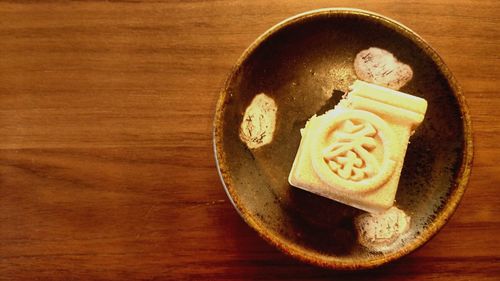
(106, 163)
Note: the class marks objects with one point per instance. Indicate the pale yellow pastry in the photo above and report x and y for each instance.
(354, 153)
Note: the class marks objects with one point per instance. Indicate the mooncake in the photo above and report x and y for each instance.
(354, 153)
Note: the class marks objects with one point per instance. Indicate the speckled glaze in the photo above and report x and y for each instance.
(306, 63)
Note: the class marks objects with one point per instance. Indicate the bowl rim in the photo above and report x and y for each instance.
(302, 253)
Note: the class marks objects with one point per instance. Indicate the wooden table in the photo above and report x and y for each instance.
(106, 163)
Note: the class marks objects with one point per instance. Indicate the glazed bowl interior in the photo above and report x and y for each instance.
(306, 64)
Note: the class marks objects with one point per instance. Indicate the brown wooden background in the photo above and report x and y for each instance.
(106, 163)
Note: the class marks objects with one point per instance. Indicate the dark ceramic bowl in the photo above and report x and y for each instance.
(300, 62)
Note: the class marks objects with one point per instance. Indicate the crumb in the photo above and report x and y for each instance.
(381, 67)
(259, 121)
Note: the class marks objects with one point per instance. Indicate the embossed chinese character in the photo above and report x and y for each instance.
(350, 155)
